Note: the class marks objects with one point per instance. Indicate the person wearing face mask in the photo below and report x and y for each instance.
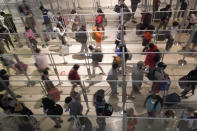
(171, 35)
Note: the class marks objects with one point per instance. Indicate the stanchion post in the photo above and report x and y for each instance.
(85, 95)
(177, 6)
(124, 122)
(55, 68)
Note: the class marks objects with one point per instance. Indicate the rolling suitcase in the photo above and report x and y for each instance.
(172, 99)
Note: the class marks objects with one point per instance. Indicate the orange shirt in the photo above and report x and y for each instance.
(98, 35)
(148, 36)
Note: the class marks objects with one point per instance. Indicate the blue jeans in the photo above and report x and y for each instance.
(49, 28)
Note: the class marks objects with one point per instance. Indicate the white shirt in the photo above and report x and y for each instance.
(41, 61)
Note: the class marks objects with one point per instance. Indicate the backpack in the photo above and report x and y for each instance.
(21, 64)
(108, 111)
(159, 100)
(157, 56)
(97, 56)
(151, 73)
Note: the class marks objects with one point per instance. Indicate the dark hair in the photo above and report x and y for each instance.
(37, 50)
(68, 100)
(91, 47)
(2, 13)
(175, 23)
(3, 72)
(99, 10)
(151, 45)
(115, 65)
(73, 11)
(168, 6)
(27, 28)
(41, 7)
(76, 66)
(45, 72)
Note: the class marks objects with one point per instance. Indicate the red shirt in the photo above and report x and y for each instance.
(73, 75)
(150, 57)
(99, 19)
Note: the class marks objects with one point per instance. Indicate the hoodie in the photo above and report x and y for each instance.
(150, 57)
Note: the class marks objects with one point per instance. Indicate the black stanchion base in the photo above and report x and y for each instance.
(182, 62)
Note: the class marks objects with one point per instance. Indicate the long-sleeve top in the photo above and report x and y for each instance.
(30, 34)
(98, 35)
(41, 61)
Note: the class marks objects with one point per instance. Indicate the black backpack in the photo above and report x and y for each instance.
(97, 56)
(151, 74)
(157, 56)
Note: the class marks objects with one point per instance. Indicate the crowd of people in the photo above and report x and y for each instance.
(152, 67)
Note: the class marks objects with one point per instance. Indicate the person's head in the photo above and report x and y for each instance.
(68, 100)
(76, 67)
(27, 28)
(140, 64)
(154, 98)
(99, 10)
(73, 11)
(168, 7)
(101, 93)
(161, 65)
(83, 26)
(37, 50)
(170, 113)
(151, 45)
(175, 24)
(115, 65)
(91, 48)
(2, 13)
(41, 8)
(45, 72)
(130, 112)
(3, 72)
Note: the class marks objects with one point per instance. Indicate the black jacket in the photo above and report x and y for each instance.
(81, 36)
